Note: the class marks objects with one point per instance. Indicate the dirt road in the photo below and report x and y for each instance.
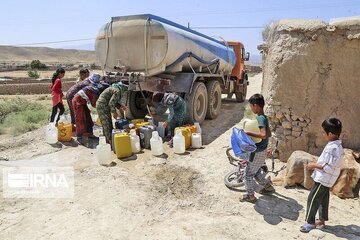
(176, 197)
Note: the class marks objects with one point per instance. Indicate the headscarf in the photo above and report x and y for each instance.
(122, 87)
(169, 99)
(95, 77)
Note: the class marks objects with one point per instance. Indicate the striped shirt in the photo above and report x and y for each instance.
(329, 159)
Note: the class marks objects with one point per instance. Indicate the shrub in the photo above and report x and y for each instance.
(36, 64)
(33, 74)
(18, 116)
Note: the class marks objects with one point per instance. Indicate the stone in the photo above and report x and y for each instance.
(303, 124)
(279, 115)
(296, 128)
(287, 116)
(286, 124)
(295, 133)
(287, 132)
(295, 123)
(279, 130)
(294, 117)
(289, 137)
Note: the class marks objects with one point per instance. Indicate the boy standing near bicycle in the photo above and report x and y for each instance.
(326, 172)
(257, 158)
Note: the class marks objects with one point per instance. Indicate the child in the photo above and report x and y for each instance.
(326, 172)
(83, 74)
(57, 94)
(257, 159)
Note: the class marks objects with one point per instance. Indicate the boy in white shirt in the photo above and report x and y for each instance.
(326, 172)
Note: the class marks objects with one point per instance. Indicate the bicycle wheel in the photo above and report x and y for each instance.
(235, 179)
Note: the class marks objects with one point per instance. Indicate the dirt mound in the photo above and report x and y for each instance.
(177, 181)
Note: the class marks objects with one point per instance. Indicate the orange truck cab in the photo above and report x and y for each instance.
(239, 76)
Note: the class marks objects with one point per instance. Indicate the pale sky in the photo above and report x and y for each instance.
(39, 21)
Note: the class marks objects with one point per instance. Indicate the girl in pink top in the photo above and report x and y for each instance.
(56, 92)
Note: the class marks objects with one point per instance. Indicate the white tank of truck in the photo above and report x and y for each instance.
(152, 45)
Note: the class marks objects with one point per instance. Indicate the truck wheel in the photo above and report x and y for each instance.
(196, 103)
(137, 104)
(214, 94)
(241, 96)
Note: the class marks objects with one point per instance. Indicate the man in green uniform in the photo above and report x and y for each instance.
(109, 101)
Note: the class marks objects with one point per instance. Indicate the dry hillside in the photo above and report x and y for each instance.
(44, 54)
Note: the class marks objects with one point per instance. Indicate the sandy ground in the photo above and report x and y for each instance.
(173, 197)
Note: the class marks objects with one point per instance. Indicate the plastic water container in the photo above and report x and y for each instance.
(251, 125)
(161, 130)
(179, 142)
(187, 134)
(141, 124)
(198, 128)
(196, 140)
(64, 132)
(192, 128)
(156, 144)
(122, 144)
(103, 152)
(51, 133)
(135, 121)
(113, 133)
(135, 141)
(122, 123)
(145, 133)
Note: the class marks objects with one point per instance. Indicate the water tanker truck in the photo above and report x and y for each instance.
(153, 54)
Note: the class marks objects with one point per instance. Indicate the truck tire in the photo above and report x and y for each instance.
(214, 95)
(137, 104)
(196, 103)
(241, 96)
(128, 112)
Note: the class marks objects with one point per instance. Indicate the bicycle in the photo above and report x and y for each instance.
(235, 178)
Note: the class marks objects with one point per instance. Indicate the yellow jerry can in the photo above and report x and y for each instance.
(141, 124)
(135, 121)
(122, 145)
(64, 132)
(191, 127)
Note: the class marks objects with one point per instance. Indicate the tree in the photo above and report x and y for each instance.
(36, 64)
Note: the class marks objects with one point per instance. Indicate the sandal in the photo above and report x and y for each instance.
(267, 190)
(248, 198)
(307, 227)
(320, 224)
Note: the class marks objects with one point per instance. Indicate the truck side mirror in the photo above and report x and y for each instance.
(247, 56)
